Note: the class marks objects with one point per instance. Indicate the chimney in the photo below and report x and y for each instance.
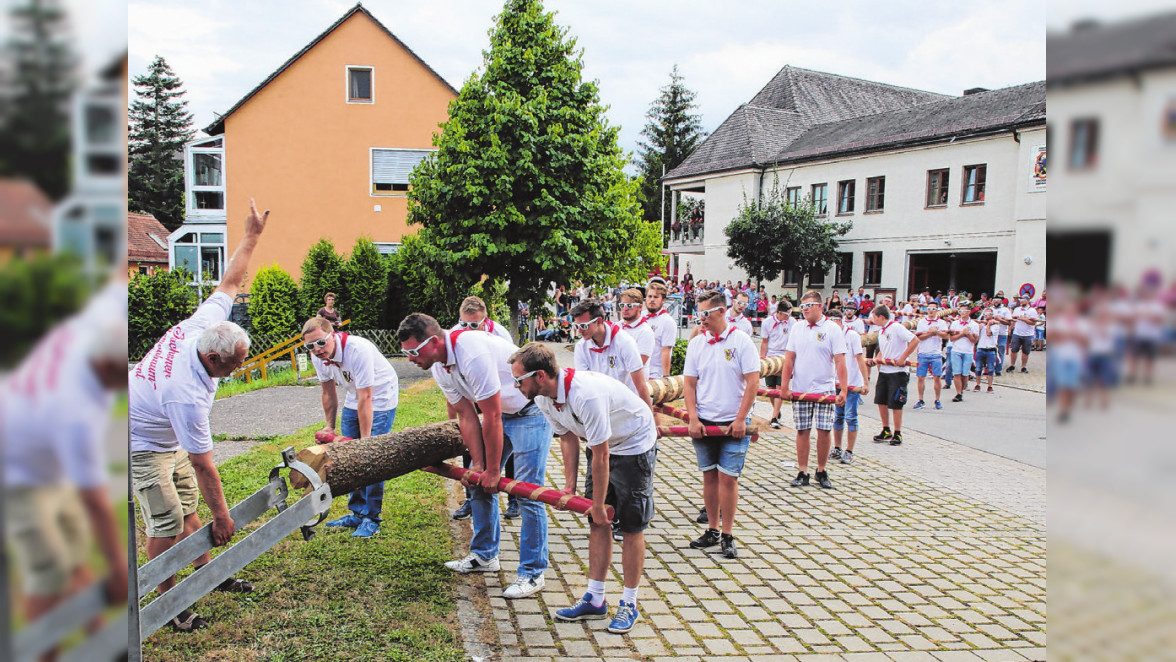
(974, 90)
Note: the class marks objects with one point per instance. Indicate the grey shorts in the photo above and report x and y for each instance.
(165, 485)
(1022, 343)
(630, 488)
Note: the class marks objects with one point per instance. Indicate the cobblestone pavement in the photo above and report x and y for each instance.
(929, 551)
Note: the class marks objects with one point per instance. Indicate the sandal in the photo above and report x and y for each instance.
(189, 623)
(234, 585)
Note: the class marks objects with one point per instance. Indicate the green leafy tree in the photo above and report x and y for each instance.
(671, 134)
(366, 275)
(36, 294)
(800, 240)
(34, 140)
(526, 186)
(273, 302)
(160, 125)
(155, 304)
(322, 272)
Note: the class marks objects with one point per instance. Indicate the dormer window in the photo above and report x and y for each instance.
(359, 85)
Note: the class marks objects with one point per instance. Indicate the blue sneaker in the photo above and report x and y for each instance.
(349, 520)
(368, 528)
(937, 405)
(582, 610)
(626, 616)
(920, 404)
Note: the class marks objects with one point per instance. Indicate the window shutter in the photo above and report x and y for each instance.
(392, 166)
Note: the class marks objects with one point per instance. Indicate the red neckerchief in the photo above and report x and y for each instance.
(634, 326)
(342, 348)
(819, 322)
(613, 330)
(721, 337)
(568, 374)
(453, 344)
(489, 325)
(663, 311)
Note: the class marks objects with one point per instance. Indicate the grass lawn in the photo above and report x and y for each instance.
(336, 598)
(230, 387)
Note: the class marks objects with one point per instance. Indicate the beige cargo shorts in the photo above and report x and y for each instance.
(165, 486)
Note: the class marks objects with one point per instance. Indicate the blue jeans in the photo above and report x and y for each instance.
(986, 361)
(947, 371)
(1002, 346)
(845, 416)
(929, 361)
(367, 501)
(528, 438)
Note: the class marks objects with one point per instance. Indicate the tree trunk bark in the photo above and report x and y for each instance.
(513, 302)
(349, 465)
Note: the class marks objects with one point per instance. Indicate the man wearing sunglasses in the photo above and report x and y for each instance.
(665, 330)
(632, 323)
(814, 360)
(473, 318)
(373, 392)
(607, 350)
(721, 377)
(170, 396)
(619, 431)
(474, 369)
(775, 340)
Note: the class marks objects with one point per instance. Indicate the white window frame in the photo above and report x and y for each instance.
(387, 247)
(84, 147)
(190, 189)
(372, 174)
(347, 84)
(199, 228)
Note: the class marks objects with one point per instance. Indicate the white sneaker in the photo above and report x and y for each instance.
(522, 587)
(473, 563)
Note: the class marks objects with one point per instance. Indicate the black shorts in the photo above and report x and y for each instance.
(891, 388)
(772, 381)
(630, 488)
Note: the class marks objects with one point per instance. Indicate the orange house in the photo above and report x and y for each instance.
(326, 143)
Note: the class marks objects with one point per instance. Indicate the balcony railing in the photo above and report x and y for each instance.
(686, 236)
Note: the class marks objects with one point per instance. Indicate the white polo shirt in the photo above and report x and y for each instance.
(1149, 320)
(740, 323)
(664, 334)
(934, 344)
(1002, 312)
(476, 367)
(170, 393)
(720, 365)
(490, 326)
(962, 344)
(988, 336)
(54, 413)
(892, 342)
(853, 349)
(776, 333)
(815, 345)
(857, 325)
(357, 363)
(908, 313)
(618, 358)
(598, 409)
(642, 334)
(1021, 328)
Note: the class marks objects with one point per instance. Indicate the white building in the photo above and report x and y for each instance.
(941, 190)
(1112, 97)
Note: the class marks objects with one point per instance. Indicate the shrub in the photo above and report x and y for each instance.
(36, 294)
(366, 276)
(155, 304)
(678, 356)
(273, 302)
(322, 272)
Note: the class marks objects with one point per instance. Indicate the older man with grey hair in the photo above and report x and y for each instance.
(170, 396)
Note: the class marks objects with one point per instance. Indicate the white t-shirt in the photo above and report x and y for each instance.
(1071, 331)
(988, 336)
(908, 313)
(772, 306)
(815, 345)
(740, 323)
(1021, 328)
(853, 349)
(720, 365)
(170, 393)
(1002, 312)
(642, 334)
(356, 364)
(892, 343)
(1149, 320)
(963, 344)
(490, 326)
(664, 335)
(619, 357)
(776, 333)
(857, 325)
(934, 344)
(598, 409)
(1103, 337)
(478, 367)
(54, 413)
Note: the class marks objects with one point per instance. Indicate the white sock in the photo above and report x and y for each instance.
(596, 592)
(629, 595)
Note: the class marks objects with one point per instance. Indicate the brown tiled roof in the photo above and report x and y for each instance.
(146, 239)
(218, 127)
(25, 215)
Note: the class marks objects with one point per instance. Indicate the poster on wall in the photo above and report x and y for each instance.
(1037, 169)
